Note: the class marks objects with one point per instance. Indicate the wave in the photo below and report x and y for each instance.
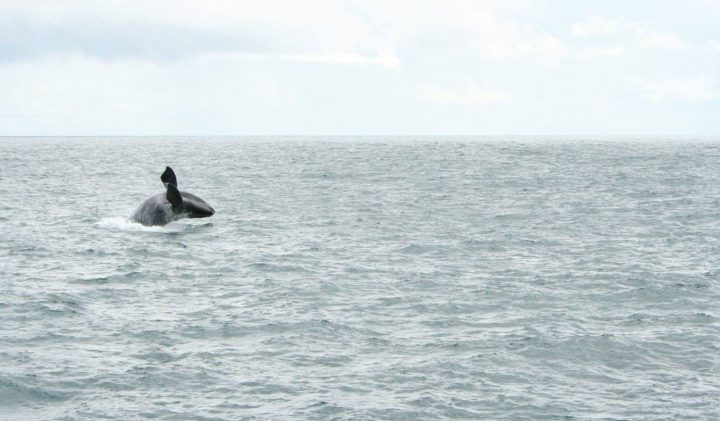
(13, 390)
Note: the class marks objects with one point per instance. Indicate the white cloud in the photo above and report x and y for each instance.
(465, 92)
(648, 38)
(387, 59)
(523, 44)
(597, 27)
(630, 32)
(471, 27)
(688, 89)
(611, 51)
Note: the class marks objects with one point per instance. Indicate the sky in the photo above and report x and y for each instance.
(371, 67)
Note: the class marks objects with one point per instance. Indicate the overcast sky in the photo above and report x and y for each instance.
(205, 67)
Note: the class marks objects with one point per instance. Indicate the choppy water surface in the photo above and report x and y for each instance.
(361, 279)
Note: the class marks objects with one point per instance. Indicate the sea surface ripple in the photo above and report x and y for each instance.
(362, 278)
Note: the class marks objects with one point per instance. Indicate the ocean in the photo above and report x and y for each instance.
(388, 278)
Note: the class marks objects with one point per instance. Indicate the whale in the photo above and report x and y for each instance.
(163, 208)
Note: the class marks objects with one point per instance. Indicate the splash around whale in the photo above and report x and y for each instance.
(163, 208)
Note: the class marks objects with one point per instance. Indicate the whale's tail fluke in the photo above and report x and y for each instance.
(168, 177)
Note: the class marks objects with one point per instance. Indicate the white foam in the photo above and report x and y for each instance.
(120, 223)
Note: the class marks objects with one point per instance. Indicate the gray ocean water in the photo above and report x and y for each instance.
(353, 279)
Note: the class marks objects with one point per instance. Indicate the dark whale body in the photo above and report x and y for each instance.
(163, 208)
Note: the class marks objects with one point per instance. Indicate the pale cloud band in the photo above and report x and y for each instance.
(386, 59)
(466, 92)
(633, 33)
(691, 89)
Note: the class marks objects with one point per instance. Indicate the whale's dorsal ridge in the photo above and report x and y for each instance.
(168, 177)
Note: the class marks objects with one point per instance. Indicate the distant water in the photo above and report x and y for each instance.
(352, 279)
